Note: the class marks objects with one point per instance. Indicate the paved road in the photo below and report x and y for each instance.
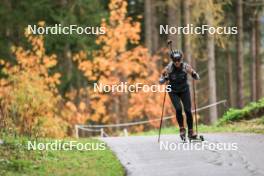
(142, 155)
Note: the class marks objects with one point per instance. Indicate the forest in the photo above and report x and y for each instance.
(47, 81)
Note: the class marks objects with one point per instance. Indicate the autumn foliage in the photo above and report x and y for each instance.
(121, 59)
(30, 101)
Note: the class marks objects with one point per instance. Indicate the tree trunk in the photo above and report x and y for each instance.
(253, 64)
(124, 104)
(148, 30)
(210, 44)
(240, 59)
(258, 58)
(211, 77)
(230, 79)
(68, 65)
(187, 39)
(154, 28)
(174, 19)
(116, 111)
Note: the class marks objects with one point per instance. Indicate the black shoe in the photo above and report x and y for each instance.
(192, 134)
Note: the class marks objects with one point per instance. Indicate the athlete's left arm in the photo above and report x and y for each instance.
(192, 72)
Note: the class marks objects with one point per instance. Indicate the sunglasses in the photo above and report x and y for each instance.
(176, 60)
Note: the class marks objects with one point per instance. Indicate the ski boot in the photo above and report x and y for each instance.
(183, 134)
(194, 137)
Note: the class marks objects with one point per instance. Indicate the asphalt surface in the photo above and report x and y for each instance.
(243, 155)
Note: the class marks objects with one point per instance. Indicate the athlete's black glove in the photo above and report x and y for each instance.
(163, 79)
(164, 76)
(195, 75)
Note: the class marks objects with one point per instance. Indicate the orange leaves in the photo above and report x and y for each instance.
(117, 10)
(71, 106)
(41, 23)
(49, 61)
(32, 102)
(86, 66)
(80, 56)
(82, 106)
(75, 114)
(115, 63)
(56, 77)
(3, 82)
(120, 30)
(35, 61)
(2, 62)
(30, 94)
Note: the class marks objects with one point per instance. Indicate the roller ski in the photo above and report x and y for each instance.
(194, 137)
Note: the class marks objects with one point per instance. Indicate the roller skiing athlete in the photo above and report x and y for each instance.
(175, 75)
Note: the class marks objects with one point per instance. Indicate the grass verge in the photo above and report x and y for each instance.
(249, 119)
(250, 111)
(16, 159)
(244, 126)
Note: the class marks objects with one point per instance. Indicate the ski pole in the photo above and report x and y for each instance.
(161, 118)
(195, 112)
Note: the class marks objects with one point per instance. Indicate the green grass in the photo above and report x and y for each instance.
(244, 126)
(249, 119)
(250, 111)
(16, 159)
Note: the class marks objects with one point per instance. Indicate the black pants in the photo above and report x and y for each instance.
(185, 98)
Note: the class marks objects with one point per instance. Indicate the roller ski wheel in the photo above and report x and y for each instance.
(183, 134)
(201, 137)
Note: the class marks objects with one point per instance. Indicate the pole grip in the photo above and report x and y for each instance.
(169, 42)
